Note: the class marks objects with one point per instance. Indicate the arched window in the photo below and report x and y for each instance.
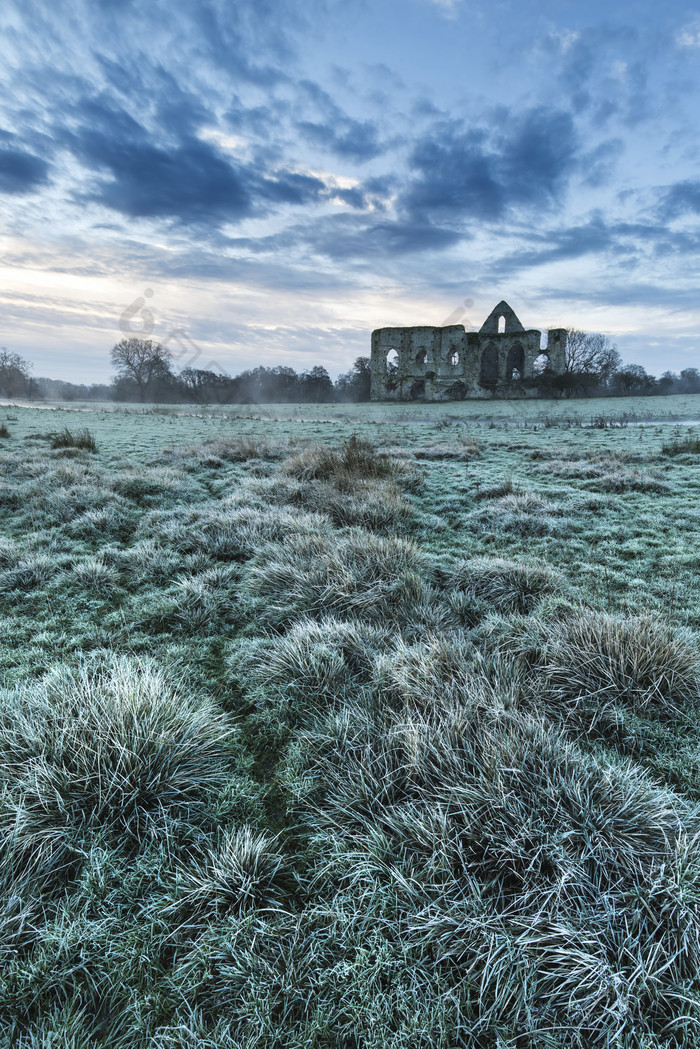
(501, 325)
(489, 366)
(540, 364)
(421, 356)
(516, 362)
(454, 357)
(392, 360)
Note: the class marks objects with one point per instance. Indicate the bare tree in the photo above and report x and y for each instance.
(15, 378)
(591, 354)
(141, 362)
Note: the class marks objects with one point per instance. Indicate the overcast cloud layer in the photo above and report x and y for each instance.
(266, 182)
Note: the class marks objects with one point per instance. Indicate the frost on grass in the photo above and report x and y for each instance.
(636, 660)
(518, 864)
(412, 838)
(121, 749)
(356, 573)
(506, 585)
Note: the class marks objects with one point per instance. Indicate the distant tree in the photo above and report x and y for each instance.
(355, 385)
(668, 383)
(285, 384)
(591, 361)
(143, 365)
(317, 386)
(204, 387)
(632, 380)
(689, 381)
(15, 377)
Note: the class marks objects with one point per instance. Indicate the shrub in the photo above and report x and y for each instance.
(82, 439)
(4, 432)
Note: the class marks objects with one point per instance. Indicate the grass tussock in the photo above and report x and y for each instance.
(516, 861)
(123, 749)
(607, 475)
(637, 660)
(353, 574)
(689, 445)
(314, 666)
(507, 586)
(443, 452)
(355, 460)
(230, 532)
(240, 872)
(217, 453)
(81, 439)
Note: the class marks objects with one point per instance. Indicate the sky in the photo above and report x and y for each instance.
(267, 181)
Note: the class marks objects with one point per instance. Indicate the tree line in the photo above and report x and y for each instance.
(144, 373)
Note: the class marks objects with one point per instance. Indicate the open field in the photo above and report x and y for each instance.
(353, 726)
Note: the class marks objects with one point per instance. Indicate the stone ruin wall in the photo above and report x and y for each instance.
(445, 364)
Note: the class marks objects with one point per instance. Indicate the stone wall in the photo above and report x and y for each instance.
(446, 364)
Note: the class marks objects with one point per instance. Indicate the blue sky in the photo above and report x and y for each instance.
(266, 181)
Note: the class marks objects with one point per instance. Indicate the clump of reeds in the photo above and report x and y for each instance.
(82, 439)
(689, 445)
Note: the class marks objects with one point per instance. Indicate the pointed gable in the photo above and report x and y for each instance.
(490, 325)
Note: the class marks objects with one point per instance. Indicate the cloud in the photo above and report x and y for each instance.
(350, 237)
(603, 70)
(522, 160)
(182, 177)
(690, 36)
(21, 172)
(355, 139)
(337, 132)
(683, 198)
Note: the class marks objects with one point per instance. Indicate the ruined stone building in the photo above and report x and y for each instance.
(447, 364)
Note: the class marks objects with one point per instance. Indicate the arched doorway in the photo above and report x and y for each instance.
(516, 362)
(489, 366)
(417, 392)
